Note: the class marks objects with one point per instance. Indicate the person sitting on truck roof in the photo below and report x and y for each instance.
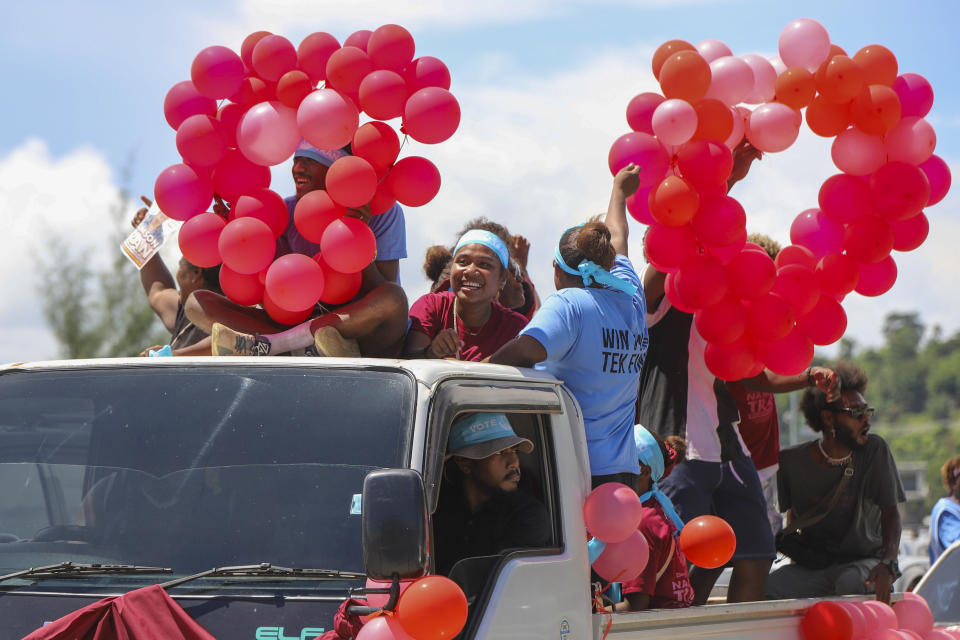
(665, 582)
(591, 334)
(482, 511)
(372, 324)
(841, 492)
(945, 517)
(466, 323)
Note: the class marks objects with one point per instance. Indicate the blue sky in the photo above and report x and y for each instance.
(542, 86)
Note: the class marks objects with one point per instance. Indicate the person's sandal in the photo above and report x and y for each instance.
(224, 341)
(332, 344)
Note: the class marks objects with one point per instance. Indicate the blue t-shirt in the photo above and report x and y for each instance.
(595, 341)
(944, 527)
(389, 228)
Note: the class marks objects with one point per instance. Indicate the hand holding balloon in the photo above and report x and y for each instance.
(627, 180)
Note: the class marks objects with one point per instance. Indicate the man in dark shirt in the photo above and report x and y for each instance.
(482, 512)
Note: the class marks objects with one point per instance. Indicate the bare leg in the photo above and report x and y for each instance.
(749, 580)
(203, 308)
(377, 321)
(702, 581)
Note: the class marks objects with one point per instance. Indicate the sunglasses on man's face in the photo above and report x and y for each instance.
(857, 413)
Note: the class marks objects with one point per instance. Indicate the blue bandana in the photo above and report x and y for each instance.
(325, 157)
(490, 240)
(591, 272)
(649, 454)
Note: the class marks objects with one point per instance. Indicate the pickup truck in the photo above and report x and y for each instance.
(294, 479)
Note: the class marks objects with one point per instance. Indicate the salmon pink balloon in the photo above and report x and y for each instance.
(390, 47)
(217, 72)
(723, 322)
(183, 100)
(886, 618)
(643, 150)
(358, 39)
(351, 181)
(282, 316)
(817, 232)
(910, 233)
(253, 91)
(246, 47)
(825, 323)
(875, 110)
(702, 281)
(313, 212)
(731, 80)
(797, 285)
(431, 115)
(414, 181)
(827, 119)
(733, 361)
(383, 94)
(377, 143)
(804, 43)
(426, 71)
(665, 50)
(294, 282)
(198, 239)
(752, 274)
(612, 512)
(764, 78)
(912, 140)
(711, 49)
(201, 140)
(247, 245)
(640, 111)
(795, 88)
(327, 119)
(314, 52)
(382, 628)
(769, 318)
(858, 153)
(293, 87)
(347, 67)
(773, 127)
(938, 175)
(913, 614)
(877, 278)
(245, 289)
(432, 608)
(915, 93)
(878, 64)
(268, 133)
(674, 121)
(182, 192)
(624, 560)
(868, 240)
(265, 205)
(839, 80)
(666, 248)
(348, 245)
(837, 274)
(845, 198)
(708, 541)
(899, 191)
(714, 120)
(685, 75)
(673, 202)
(273, 56)
(235, 175)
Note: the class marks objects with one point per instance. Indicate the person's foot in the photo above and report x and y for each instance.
(331, 343)
(224, 341)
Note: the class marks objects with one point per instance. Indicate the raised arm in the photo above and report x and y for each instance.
(771, 382)
(158, 284)
(625, 184)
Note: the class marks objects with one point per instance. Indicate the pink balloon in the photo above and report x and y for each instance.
(877, 278)
(623, 561)
(769, 318)
(217, 72)
(913, 615)
(347, 67)
(273, 56)
(201, 141)
(837, 274)
(910, 233)
(764, 79)
(711, 49)
(739, 127)
(858, 153)
(426, 71)
(886, 618)
(752, 274)
(268, 133)
(183, 100)
(638, 205)
(235, 175)
(804, 43)
(640, 111)
(797, 285)
(899, 191)
(198, 239)
(825, 323)
(294, 282)
(612, 512)
(702, 281)
(937, 634)
(181, 192)
(358, 39)
(390, 47)
(381, 599)
(247, 245)
(245, 289)
(817, 232)
(229, 118)
(674, 121)
(265, 205)
(868, 240)
(383, 94)
(666, 248)
(845, 198)
(313, 212)
(788, 356)
(351, 181)
(886, 634)
(938, 175)
(643, 150)
(383, 628)
(911, 140)
(732, 80)
(348, 245)
(431, 115)
(414, 181)
(773, 126)
(314, 52)
(327, 119)
(856, 617)
(915, 93)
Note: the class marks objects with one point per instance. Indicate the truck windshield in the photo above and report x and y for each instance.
(193, 468)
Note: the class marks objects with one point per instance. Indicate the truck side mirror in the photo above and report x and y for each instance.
(394, 508)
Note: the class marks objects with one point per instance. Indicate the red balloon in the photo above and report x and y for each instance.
(612, 512)
(235, 175)
(383, 200)
(201, 141)
(347, 67)
(198, 239)
(877, 278)
(247, 245)
(910, 233)
(900, 191)
(708, 542)
(825, 323)
(769, 318)
(242, 288)
(702, 281)
(705, 163)
(727, 252)
(640, 111)
(293, 87)
(390, 47)
(358, 39)
(313, 212)
(253, 91)
(938, 175)
(797, 285)
(314, 52)
(338, 288)
(431, 115)
(670, 290)
(752, 274)
(733, 361)
(432, 608)
(328, 119)
(625, 560)
(673, 202)
(795, 254)
(426, 71)
(383, 94)
(719, 221)
(868, 240)
(638, 206)
(294, 282)
(414, 181)
(643, 150)
(183, 100)
(265, 205)
(845, 198)
(273, 56)
(837, 274)
(351, 181)
(182, 192)
(281, 315)
(666, 248)
(217, 72)
(788, 356)
(229, 117)
(348, 245)
(246, 48)
(827, 621)
(723, 322)
(377, 143)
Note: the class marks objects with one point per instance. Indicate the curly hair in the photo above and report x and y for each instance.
(591, 241)
(852, 378)
(768, 244)
(436, 264)
(950, 475)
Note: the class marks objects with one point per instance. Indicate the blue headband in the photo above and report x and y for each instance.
(591, 272)
(649, 454)
(490, 240)
(325, 157)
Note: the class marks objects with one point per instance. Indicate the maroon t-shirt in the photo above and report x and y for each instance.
(672, 590)
(433, 313)
(759, 425)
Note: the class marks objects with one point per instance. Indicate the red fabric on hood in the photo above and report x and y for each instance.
(144, 614)
(345, 626)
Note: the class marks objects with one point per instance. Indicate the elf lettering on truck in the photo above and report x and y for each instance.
(163, 468)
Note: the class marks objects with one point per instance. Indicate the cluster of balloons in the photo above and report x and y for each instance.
(269, 101)
(612, 514)
(908, 619)
(429, 608)
(753, 311)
